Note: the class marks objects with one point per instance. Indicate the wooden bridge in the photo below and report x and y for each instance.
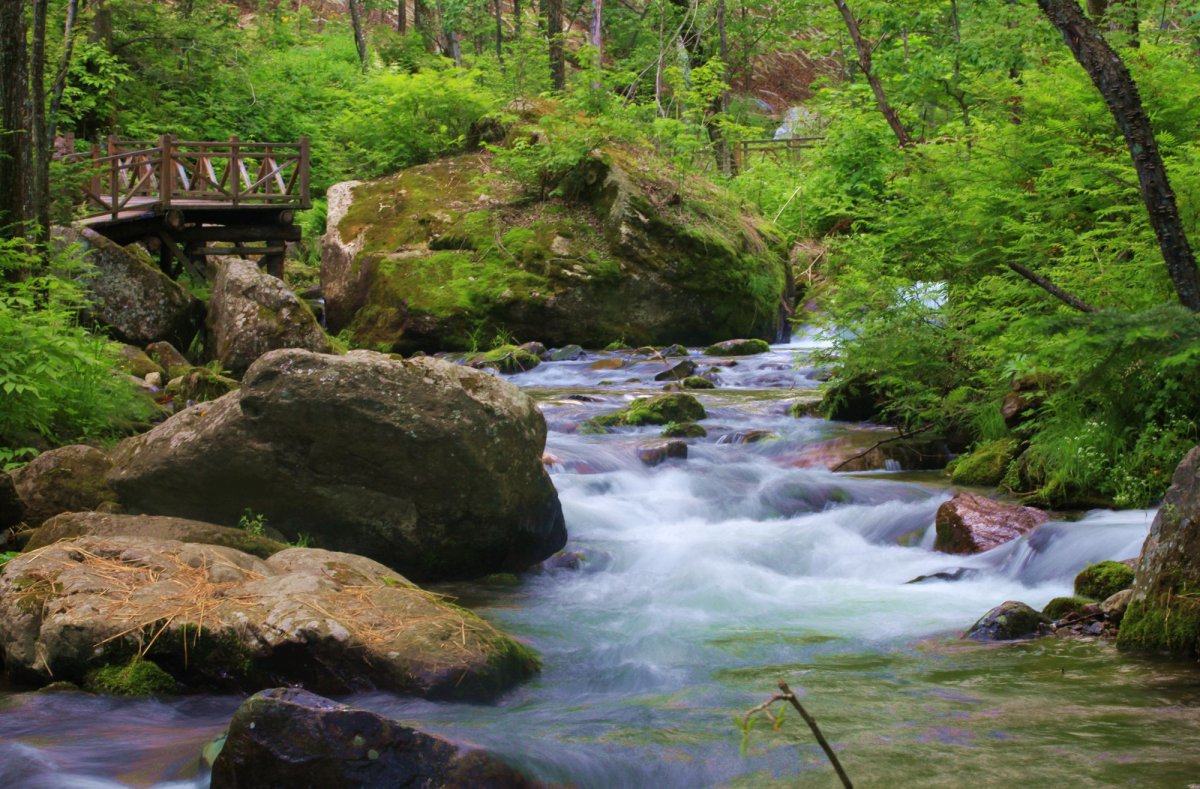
(789, 149)
(190, 200)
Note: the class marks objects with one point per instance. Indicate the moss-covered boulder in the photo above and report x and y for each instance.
(199, 385)
(1164, 611)
(508, 359)
(1061, 606)
(1102, 580)
(426, 258)
(749, 347)
(684, 430)
(67, 479)
(137, 362)
(252, 312)
(661, 410)
(1009, 621)
(697, 382)
(986, 464)
(212, 617)
(164, 354)
(70, 525)
(287, 737)
(138, 677)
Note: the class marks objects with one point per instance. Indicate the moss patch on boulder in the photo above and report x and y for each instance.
(508, 359)
(684, 430)
(749, 347)
(136, 678)
(984, 465)
(660, 410)
(1061, 606)
(1102, 580)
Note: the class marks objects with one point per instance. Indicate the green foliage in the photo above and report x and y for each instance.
(7, 556)
(253, 523)
(138, 678)
(985, 465)
(56, 378)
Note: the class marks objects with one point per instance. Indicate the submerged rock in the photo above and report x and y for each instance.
(285, 737)
(1009, 621)
(67, 479)
(252, 312)
(568, 353)
(430, 467)
(974, 524)
(679, 372)
(214, 617)
(1163, 615)
(102, 524)
(657, 452)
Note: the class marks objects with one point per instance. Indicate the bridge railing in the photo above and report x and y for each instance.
(783, 149)
(130, 174)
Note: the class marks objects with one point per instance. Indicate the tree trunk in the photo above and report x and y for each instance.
(39, 145)
(724, 160)
(64, 67)
(499, 31)
(15, 158)
(864, 62)
(1112, 78)
(360, 34)
(554, 37)
(597, 30)
(402, 16)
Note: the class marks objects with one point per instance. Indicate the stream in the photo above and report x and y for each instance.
(704, 580)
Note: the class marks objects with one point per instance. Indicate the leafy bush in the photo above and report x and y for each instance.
(56, 379)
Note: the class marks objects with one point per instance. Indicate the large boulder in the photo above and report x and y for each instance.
(214, 617)
(293, 739)
(70, 525)
(424, 258)
(252, 312)
(430, 467)
(1163, 613)
(132, 298)
(12, 509)
(974, 524)
(67, 479)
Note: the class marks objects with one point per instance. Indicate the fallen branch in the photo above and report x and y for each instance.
(787, 695)
(878, 444)
(1069, 299)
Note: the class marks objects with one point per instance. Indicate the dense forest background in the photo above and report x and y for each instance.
(970, 224)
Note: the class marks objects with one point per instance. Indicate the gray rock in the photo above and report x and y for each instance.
(70, 525)
(677, 373)
(568, 353)
(214, 617)
(132, 298)
(67, 479)
(657, 452)
(165, 355)
(292, 739)
(251, 312)
(430, 467)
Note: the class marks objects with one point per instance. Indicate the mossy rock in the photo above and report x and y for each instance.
(1061, 606)
(137, 678)
(684, 430)
(805, 408)
(428, 257)
(199, 385)
(1009, 621)
(696, 382)
(984, 465)
(508, 359)
(1103, 580)
(661, 410)
(749, 347)
(1171, 629)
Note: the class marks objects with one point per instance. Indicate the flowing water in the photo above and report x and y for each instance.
(704, 580)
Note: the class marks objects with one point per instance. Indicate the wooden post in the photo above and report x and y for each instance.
(235, 170)
(95, 187)
(114, 177)
(166, 173)
(305, 194)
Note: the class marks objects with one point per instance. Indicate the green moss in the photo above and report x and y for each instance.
(805, 408)
(501, 579)
(1103, 580)
(696, 382)
(985, 465)
(1170, 627)
(507, 359)
(661, 410)
(738, 348)
(137, 678)
(684, 430)
(1061, 606)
